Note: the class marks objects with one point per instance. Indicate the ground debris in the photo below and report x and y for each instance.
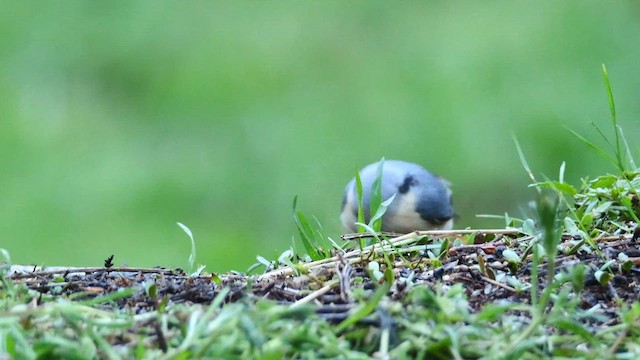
(483, 269)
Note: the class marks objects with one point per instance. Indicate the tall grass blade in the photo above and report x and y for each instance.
(376, 198)
(306, 232)
(627, 150)
(523, 160)
(593, 146)
(377, 218)
(192, 256)
(614, 120)
(359, 194)
(603, 136)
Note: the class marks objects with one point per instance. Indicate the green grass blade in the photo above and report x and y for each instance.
(377, 218)
(603, 136)
(306, 232)
(368, 229)
(360, 201)
(614, 120)
(627, 150)
(592, 146)
(376, 198)
(523, 160)
(192, 256)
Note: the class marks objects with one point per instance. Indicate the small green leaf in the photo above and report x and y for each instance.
(198, 271)
(511, 256)
(605, 181)
(585, 222)
(563, 187)
(626, 267)
(516, 284)
(493, 311)
(151, 288)
(263, 261)
(216, 279)
(374, 270)
(603, 277)
(575, 327)
(570, 226)
(529, 227)
(626, 201)
(444, 249)
(285, 257)
(379, 213)
(603, 207)
(607, 265)
(578, 275)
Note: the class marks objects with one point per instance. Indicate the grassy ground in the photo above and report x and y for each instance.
(563, 283)
(470, 294)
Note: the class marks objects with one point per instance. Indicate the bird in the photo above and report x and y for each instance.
(423, 200)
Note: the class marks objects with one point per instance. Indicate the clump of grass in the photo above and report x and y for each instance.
(192, 255)
(318, 245)
(621, 158)
(608, 204)
(377, 207)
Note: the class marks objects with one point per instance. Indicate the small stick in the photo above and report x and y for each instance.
(506, 287)
(316, 294)
(22, 274)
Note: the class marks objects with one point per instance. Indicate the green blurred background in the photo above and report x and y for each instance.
(118, 119)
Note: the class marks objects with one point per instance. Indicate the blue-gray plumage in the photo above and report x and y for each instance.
(422, 202)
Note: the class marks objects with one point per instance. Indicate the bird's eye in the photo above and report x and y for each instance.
(406, 184)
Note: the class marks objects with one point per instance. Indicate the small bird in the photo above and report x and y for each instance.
(422, 202)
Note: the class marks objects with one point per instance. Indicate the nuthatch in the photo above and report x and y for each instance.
(422, 202)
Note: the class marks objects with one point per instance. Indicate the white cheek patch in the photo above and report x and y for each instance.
(405, 218)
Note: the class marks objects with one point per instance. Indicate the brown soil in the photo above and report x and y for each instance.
(475, 266)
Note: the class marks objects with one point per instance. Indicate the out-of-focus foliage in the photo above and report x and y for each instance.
(119, 119)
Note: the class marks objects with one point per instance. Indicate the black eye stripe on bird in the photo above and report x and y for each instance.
(408, 182)
(423, 200)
